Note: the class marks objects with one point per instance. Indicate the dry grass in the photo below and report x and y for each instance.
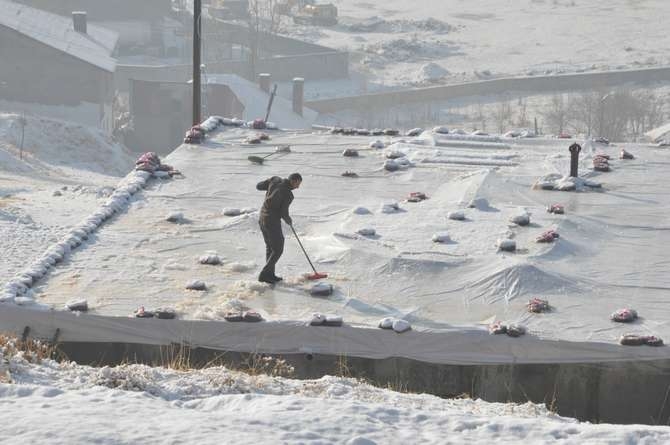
(33, 351)
(179, 357)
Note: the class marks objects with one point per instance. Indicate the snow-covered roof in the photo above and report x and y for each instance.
(452, 285)
(255, 103)
(659, 133)
(94, 47)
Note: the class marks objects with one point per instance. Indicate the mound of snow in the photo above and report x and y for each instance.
(431, 72)
(60, 144)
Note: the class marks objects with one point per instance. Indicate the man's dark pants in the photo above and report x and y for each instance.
(274, 246)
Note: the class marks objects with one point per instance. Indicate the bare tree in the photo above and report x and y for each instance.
(583, 109)
(480, 116)
(556, 114)
(503, 115)
(521, 116)
(263, 21)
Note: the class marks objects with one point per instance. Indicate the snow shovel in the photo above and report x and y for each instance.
(272, 97)
(316, 275)
(259, 159)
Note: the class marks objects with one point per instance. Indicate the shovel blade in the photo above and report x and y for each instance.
(255, 159)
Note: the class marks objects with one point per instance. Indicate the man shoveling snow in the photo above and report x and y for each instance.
(278, 198)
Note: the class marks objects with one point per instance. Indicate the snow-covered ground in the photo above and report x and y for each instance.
(397, 42)
(65, 171)
(70, 404)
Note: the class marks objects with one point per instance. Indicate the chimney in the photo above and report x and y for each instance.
(79, 21)
(264, 82)
(298, 94)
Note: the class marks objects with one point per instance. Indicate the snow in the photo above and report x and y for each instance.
(77, 161)
(132, 403)
(465, 261)
(190, 405)
(485, 39)
(255, 102)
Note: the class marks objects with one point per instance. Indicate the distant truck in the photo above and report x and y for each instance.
(321, 15)
(308, 12)
(230, 9)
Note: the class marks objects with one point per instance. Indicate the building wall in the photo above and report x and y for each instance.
(34, 73)
(162, 112)
(566, 82)
(332, 65)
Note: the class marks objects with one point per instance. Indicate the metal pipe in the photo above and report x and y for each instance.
(197, 13)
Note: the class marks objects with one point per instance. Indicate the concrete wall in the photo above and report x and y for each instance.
(68, 81)
(271, 43)
(567, 82)
(162, 112)
(614, 392)
(160, 73)
(330, 65)
(309, 66)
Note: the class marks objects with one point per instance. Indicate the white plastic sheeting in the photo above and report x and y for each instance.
(612, 251)
(456, 345)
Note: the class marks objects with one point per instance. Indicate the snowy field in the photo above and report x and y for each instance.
(610, 255)
(70, 404)
(396, 42)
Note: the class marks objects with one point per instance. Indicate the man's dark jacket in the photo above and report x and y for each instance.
(278, 198)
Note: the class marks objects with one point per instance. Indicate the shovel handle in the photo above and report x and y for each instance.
(303, 249)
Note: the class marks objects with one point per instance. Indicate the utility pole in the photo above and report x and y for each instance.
(197, 12)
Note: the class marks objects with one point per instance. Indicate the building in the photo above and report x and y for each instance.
(145, 28)
(63, 67)
(161, 112)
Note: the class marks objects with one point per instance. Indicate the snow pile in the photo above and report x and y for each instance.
(555, 181)
(431, 72)
(19, 288)
(379, 25)
(447, 137)
(410, 49)
(192, 403)
(51, 143)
